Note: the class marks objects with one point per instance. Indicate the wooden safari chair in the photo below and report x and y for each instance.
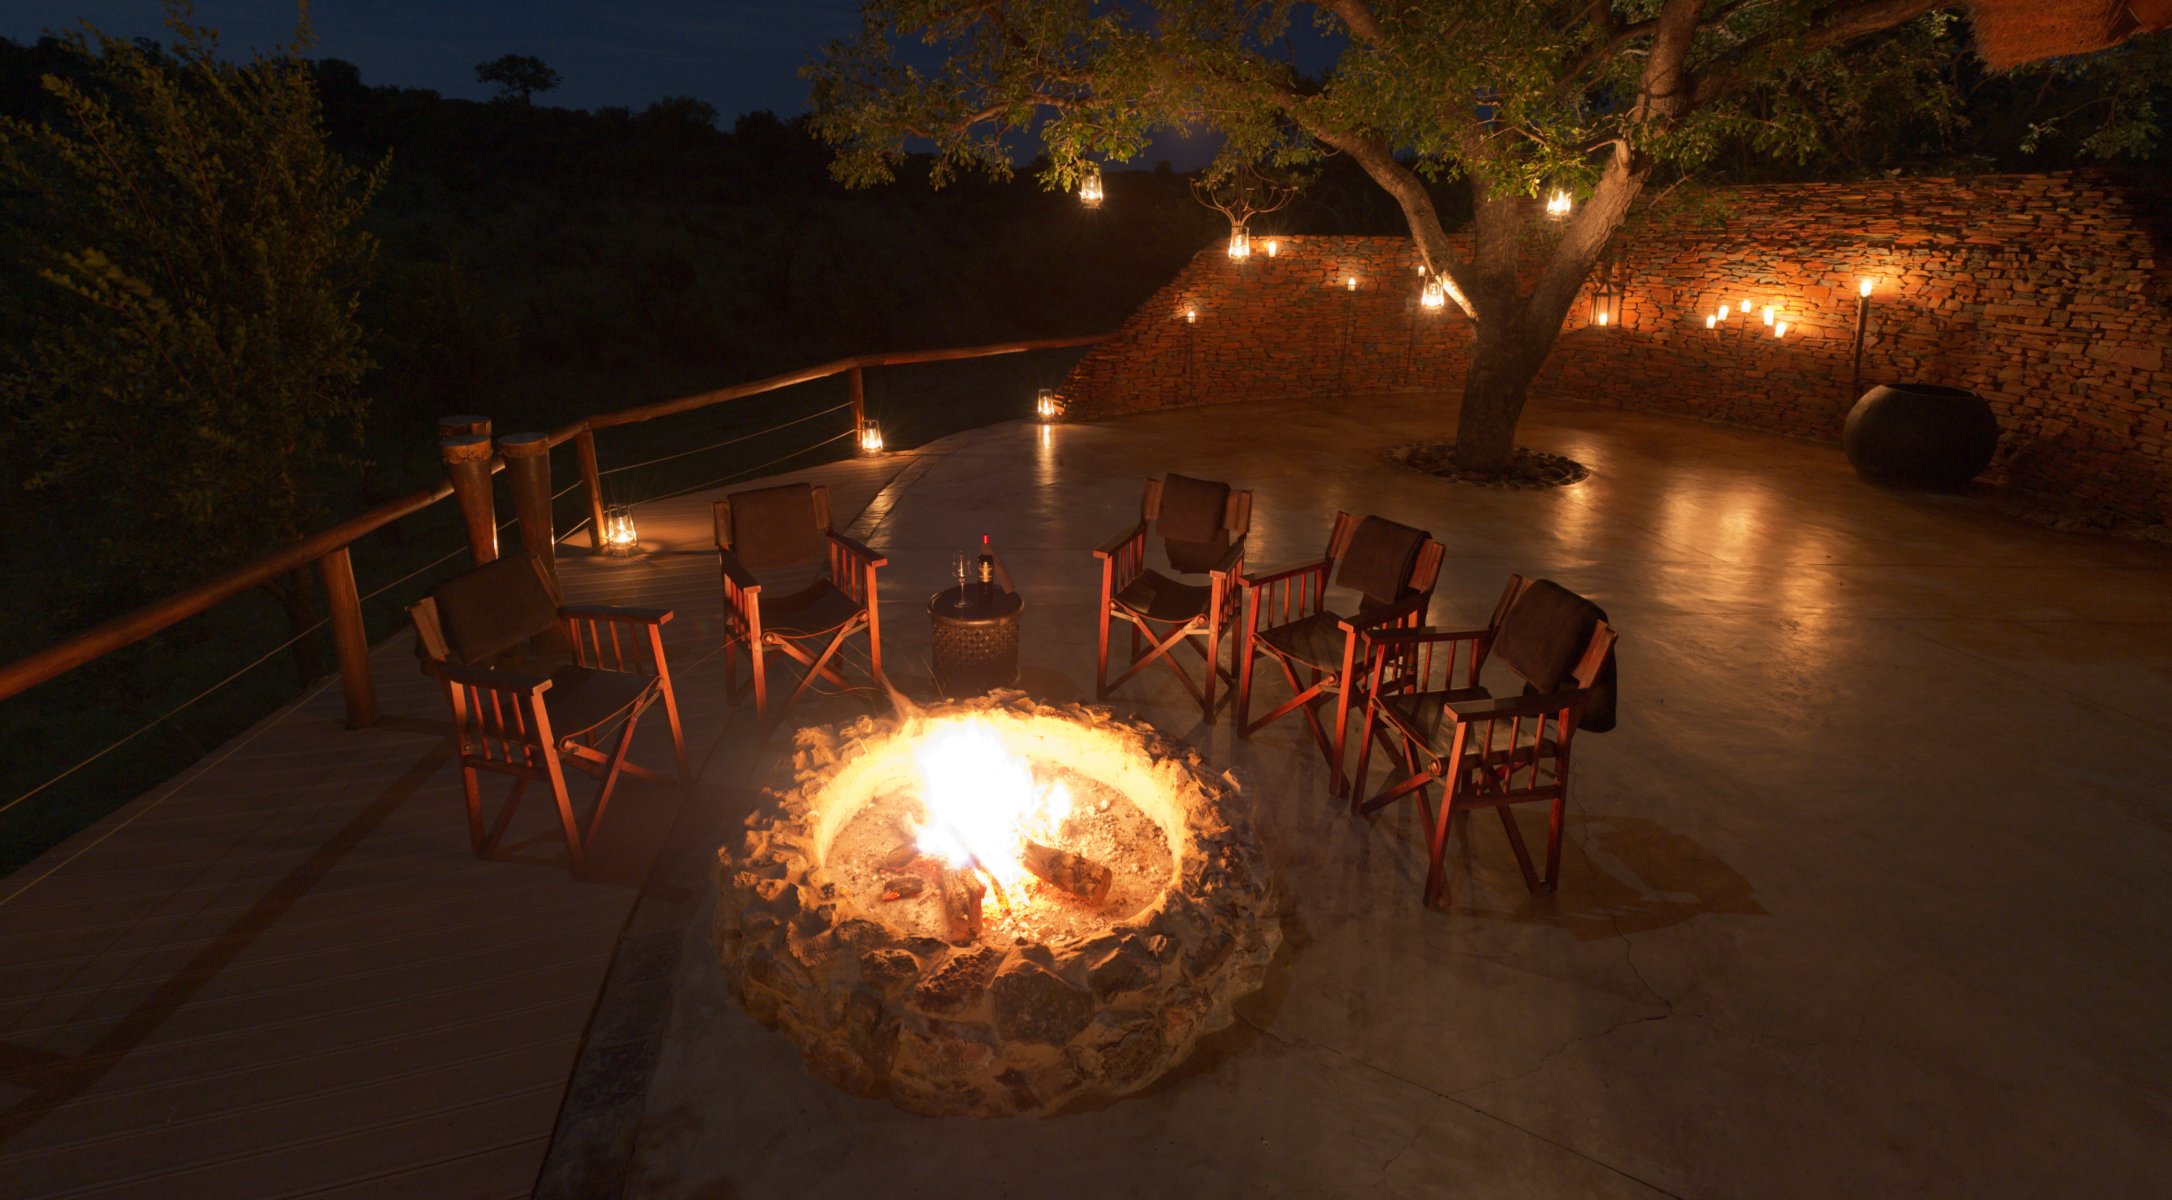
(1286, 621)
(795, 586)
(536, 685)
(1202, 525)
(1484, 751)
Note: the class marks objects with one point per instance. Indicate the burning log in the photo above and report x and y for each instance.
(902, 887)
(906, 853)
(962, 895)
(1074, 873)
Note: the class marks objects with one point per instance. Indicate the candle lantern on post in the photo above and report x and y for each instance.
(1862, 330)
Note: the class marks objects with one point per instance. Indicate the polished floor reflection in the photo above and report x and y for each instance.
(1865, 895)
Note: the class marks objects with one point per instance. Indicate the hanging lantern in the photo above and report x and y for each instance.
(1433, 296)
(1605, 307)
(619, 535)
(1045, 406)
(1089, 186)
(1240, 243)
(1558, 205)
(871, 438)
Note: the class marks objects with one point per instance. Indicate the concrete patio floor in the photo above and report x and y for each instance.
(1865, 896)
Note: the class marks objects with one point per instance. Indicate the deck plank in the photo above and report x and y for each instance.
(282, 973)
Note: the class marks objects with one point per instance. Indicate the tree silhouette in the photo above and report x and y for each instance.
(518, 76)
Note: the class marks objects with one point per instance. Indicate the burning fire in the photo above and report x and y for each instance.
(983, 802)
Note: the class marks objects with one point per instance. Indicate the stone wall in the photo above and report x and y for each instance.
(2044, 293)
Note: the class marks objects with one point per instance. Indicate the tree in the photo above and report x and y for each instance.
(188, 357)
(1510, 97)
(518, 76)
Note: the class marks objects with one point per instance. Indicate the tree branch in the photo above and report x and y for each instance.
(1830, 27)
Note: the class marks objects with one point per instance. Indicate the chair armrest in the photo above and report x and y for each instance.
(615, 612)
(1421, 634)
(858, 549)
(1115, 545)
(1231, 559)
(1366, 622)
(735, 571)
(1470, 712)
(1272, 577)
(493, 680)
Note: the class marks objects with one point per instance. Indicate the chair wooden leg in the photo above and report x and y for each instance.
(505, 818)
(471, 787)
(566, 821)
(611, 771)
(1553, 842)
(1515, 841)
(1436, 876)
(1364, 759)
(761, 684)
(1214, 667)
(1244, 686)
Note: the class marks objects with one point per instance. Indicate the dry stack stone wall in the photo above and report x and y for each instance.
(2045, 293)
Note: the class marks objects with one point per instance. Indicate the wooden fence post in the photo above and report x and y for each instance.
(584, 445)
(467, 464)
(858, 387)
(528, 468)
(349, 639)
(462, 425)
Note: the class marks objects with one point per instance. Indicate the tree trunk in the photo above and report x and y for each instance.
(1502, 367)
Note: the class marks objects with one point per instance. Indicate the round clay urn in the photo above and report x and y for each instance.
(1921, 435)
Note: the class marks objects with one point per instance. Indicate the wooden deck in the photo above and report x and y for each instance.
(283, 974)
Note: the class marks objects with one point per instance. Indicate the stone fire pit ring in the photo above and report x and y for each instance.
(987, 1029)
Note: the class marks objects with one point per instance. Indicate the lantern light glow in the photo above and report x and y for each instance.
(1862, 287)
(1433, 296)
(1780, 330)
(619, 535)
(1044, 406)
(1349, 283)
(1240, 244)
(1558, 205)
(1273, 247)
(871, 438)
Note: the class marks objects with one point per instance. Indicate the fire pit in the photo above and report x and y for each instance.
(995, 907)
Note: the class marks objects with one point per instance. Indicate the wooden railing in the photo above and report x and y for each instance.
(470, 461)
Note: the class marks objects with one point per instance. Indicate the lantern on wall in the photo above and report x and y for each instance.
(1191, 316)
(1558, 205)
(1273, 247)
(1433, 296)
(1044, 406)
(1089, 186)
(871, 438)
(1605, 307)
(619, 535)
(1240, 243)
(1349, 283)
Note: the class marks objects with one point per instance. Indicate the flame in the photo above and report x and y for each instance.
(983, 801)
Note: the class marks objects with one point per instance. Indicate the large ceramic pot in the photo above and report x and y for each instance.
(1920, 434)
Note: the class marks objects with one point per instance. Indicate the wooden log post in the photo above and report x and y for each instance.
(350, 640)
(857, 387)
(467, 465)
(462, 425)
(528, 468)
(584, 446)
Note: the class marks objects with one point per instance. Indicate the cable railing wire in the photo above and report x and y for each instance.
(168, 715)
(750, 470)
(728, 441)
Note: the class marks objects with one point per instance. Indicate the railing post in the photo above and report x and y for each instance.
(467, 464)
(584, 446)
(462, 425)
(858, 387)
(349, 639)
(528, 468)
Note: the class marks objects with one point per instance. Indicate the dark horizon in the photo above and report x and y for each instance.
(741, 56)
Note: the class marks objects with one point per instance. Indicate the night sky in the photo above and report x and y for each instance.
(739, 55)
